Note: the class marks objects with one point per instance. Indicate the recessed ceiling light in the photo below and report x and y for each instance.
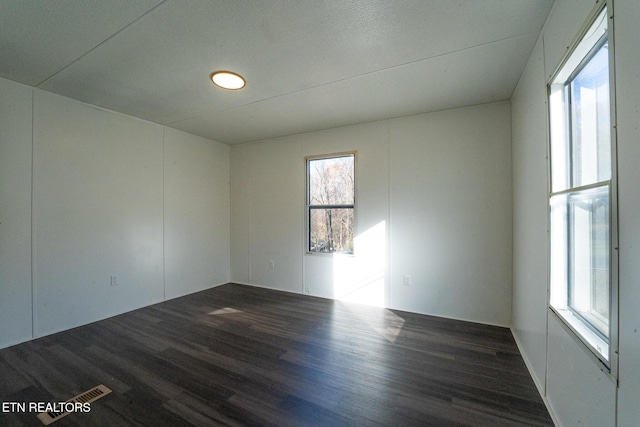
(228, 80)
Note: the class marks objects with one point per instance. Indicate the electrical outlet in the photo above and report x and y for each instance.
(114, 280)
(407, 280)
(272, 264)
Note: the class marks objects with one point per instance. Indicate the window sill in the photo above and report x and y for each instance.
(331, 254)
(597, 345)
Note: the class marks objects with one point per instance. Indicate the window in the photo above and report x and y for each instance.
(330, 203)
(581, 191)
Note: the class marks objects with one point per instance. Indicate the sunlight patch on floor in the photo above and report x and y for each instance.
(226, 310)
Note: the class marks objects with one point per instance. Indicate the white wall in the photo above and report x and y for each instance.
(97, 212)
(579, 392)
(530, 212)
(627, 35)
(196, 213)
(15, 213)
(265, 222)
(574, 384)
(434, 202)
(451, 213)
(112, 195)
(240, 203)
(275, 227)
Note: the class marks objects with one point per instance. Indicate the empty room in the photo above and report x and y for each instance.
(293, 212)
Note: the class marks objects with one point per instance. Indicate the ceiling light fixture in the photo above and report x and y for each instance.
(228, 80)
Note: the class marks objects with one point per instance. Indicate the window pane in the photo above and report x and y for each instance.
(331, 181)
(580, 255)
(589, 243)
(331, 230)
(591, 140)
(559, 252)
(560, 147)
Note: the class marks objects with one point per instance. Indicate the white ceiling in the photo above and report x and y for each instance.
(309, 64)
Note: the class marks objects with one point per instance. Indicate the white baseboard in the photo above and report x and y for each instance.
(540, 386)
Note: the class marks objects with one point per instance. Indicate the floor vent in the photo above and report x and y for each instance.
(86, 397)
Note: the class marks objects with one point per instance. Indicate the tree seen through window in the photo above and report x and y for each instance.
(331, 199)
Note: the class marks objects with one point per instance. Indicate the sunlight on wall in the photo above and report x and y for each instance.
(361, 278)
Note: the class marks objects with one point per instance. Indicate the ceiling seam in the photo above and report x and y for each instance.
(537, 33)
(101, 43)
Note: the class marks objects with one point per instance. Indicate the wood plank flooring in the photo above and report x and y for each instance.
(238, 355)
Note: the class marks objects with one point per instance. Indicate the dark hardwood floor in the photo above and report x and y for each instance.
(239, 355)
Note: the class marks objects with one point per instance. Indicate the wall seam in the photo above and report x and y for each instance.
(389, 294)
(548, 254)
(164, 225)
(249, 210)
(33, 255)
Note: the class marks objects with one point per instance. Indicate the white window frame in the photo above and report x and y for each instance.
(603, 348)
(309, 207)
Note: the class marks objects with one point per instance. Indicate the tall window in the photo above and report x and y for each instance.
(330, 203)
(580, 198)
